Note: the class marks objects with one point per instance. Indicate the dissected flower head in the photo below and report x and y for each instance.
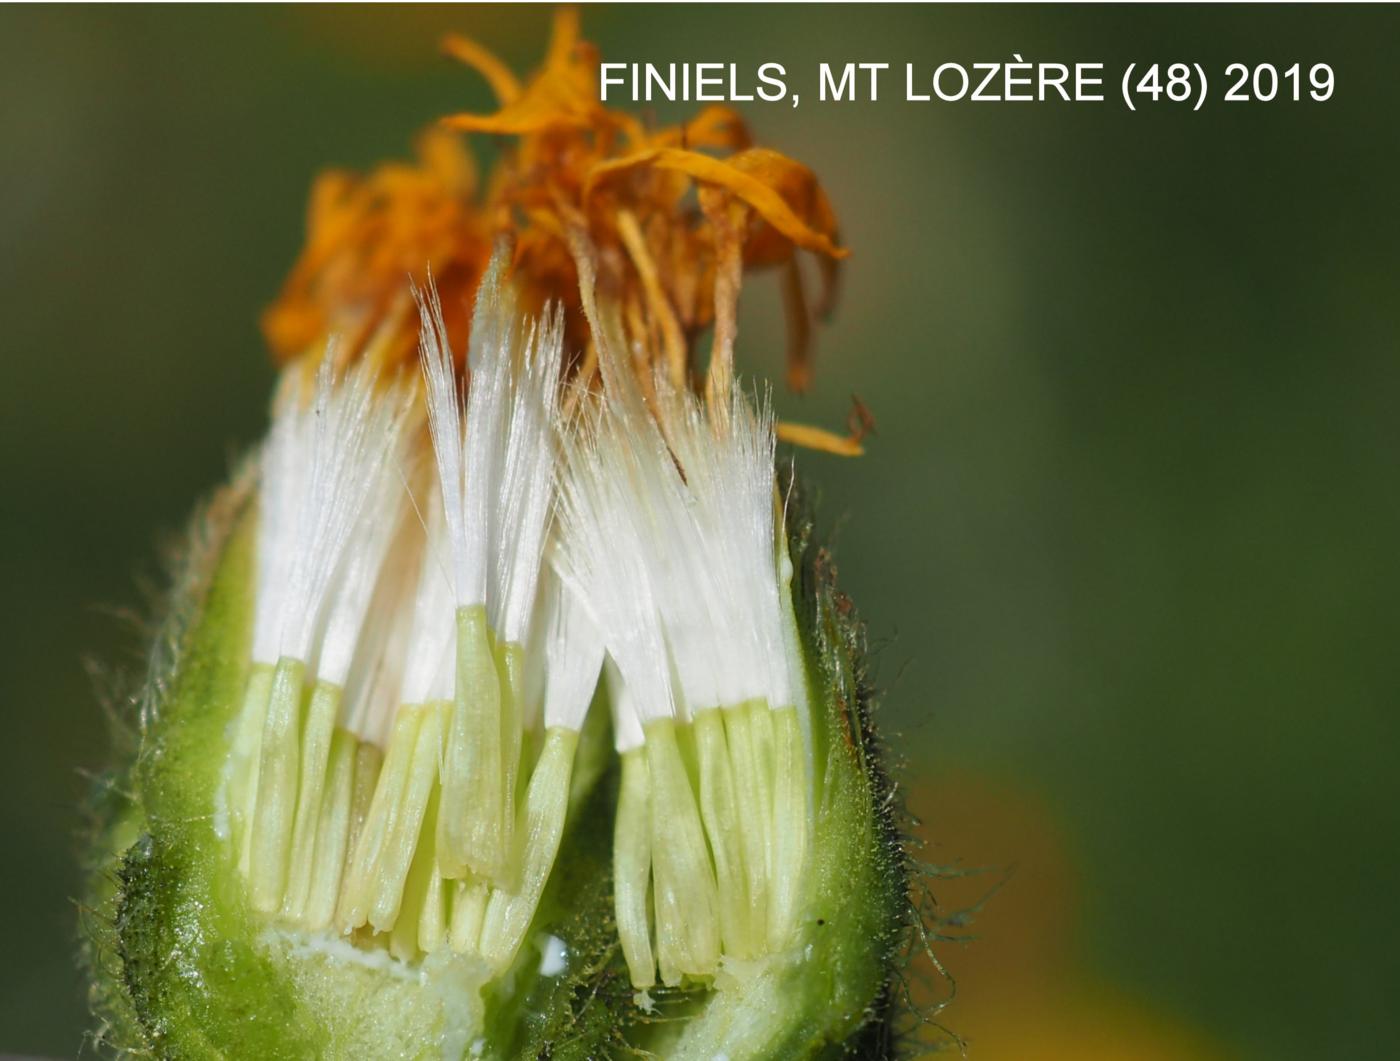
(521, 664)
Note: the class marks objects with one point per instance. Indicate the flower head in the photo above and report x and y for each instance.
(501, 509)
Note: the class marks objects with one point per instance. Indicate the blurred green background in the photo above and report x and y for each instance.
(1125, 539)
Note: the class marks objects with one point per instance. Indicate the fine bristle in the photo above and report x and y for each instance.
(727, 458)
(627, 723)
(527, 482)
(498, 489)
(375, 681)
(283, 468)
(381, 476)
(428, 667)
(490, 357)
(573, 655)
(692, 607)
(341, 461)
(445, 415)
(603, 540)
(670, 524)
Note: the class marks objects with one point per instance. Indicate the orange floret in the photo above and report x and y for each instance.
(670, 219)
(366, 236)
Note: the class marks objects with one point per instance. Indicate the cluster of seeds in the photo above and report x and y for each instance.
(447, 572)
